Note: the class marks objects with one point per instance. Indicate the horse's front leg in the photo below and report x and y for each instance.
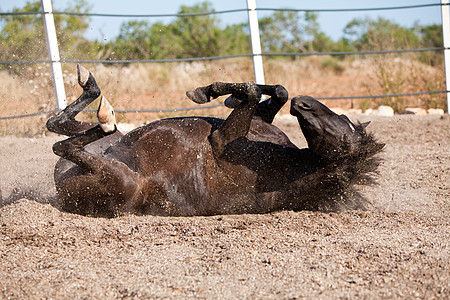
(248, 97)
(268, 109)
(238, 122)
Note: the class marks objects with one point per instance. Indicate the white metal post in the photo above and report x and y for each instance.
(256, 42)
(53, 53)
(445, 11)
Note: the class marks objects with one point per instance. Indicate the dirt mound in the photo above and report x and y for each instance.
(397, 249)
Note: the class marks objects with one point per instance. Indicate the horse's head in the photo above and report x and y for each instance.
(328, 134)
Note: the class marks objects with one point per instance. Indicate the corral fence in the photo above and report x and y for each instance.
(257, 54)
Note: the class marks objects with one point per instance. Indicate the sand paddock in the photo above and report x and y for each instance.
(400, 248)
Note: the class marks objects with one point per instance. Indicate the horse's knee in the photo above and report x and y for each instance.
(63, 124)
(58, 149)
(252, 91)
(61, 149)
(55, 123)
(51, 126)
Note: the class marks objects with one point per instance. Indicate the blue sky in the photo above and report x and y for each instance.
(332, 23)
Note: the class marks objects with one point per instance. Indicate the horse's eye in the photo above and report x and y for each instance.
(305, 106)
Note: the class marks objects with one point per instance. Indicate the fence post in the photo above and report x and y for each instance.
(256, 42)
(445, 11)
(53, 53)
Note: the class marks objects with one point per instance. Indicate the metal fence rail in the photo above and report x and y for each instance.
(47, 12)
(226, 11)
(220, 105)
(191, 59)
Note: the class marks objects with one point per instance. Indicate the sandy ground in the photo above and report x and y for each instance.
(397, 249)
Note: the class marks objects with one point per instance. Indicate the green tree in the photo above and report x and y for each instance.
(312, 31)
(197, 35)
(431, 37)
(133, 41)
(235, 40)
(282, 32)
(70, 30)
(184, 37)
(380, 34)
(290, 32)
(22, 37)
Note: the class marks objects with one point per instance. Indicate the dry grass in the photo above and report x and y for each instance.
(162, 86)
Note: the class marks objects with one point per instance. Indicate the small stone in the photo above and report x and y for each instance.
(125, 127)
(436, 111)
(368, 112)
(415, 111)
(385, 111)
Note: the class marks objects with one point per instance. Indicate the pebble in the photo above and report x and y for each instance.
(415, 111)
(385, 111)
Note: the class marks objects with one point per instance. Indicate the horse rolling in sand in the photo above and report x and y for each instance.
(204, 166)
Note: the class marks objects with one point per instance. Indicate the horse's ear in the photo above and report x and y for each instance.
(365, 124)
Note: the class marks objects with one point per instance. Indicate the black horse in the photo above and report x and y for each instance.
(204, 166)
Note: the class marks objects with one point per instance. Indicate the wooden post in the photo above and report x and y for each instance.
(256, 42)
(53, 53)
(445, 11)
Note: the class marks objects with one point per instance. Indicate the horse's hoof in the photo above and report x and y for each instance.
(105, 115)
(83, 75)
(232, 102)
(198, 95)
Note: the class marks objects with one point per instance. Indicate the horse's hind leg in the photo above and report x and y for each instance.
(64, 122)
(73, 148)
(104, 185)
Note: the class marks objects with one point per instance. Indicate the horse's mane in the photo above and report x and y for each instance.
(335, 186)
